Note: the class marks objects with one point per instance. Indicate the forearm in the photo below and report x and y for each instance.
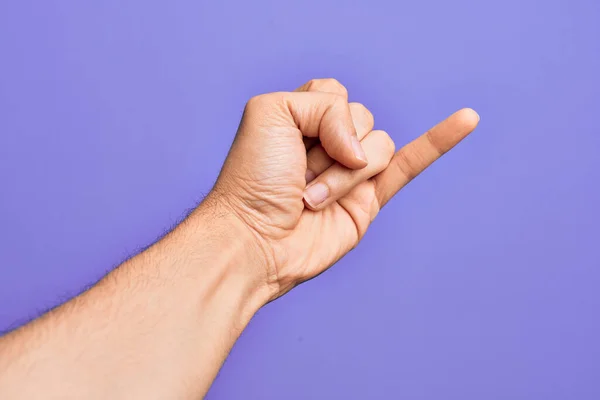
(159, 326)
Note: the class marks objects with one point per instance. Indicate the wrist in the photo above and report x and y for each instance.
(218, 255)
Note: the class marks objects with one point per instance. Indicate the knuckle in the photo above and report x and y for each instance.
(387, 144)
(339, 100)
(390, 146)
(312, 84)
(336, 105)
(332, 82)
(335, 84)
(405, 165)
(255, 102)
(328, 85)
(262, 99)
(437, 147)
(359, 109)
(263, 102)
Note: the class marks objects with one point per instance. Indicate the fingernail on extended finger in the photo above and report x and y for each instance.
(357, 149)
(316, 194)
(310, 176)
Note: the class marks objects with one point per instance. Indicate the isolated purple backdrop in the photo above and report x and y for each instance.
(479, 281)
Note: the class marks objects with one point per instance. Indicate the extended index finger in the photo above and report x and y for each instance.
(413, 158)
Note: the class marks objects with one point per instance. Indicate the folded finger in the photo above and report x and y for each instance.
(338, 180)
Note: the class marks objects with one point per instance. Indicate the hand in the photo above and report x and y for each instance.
(307, 174)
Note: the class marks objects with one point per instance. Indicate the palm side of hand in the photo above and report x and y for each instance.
(272, 166)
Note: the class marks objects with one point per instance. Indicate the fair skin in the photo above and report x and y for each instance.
(305, 177)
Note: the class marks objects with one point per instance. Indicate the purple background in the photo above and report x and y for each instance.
(480, 281)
